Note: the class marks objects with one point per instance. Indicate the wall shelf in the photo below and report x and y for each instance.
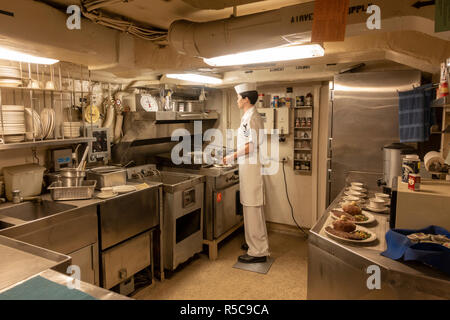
(303, 142)
(43, 143)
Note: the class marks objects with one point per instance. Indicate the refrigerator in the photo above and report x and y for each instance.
(363, 119)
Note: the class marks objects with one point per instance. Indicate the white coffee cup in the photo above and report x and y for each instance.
(358, 189)
(383, 196)
(357, 184)
(377, 203)
(355, 193)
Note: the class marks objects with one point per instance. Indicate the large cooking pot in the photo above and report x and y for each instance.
(72, 177)
(194, 106)
(392, 161)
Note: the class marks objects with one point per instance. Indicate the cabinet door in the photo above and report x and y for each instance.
(87, 259)
(124, 260)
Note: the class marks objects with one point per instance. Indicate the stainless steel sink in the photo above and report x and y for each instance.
(168, 178)
(173, 181)
(4, 225)
(29, 211)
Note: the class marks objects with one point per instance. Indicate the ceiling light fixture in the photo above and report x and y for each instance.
(192, 77)
(268, 55)
(7, 54)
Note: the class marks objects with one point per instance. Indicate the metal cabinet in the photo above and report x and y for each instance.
(128, 215)
(70, 233)
(122, 261)
(87, 259)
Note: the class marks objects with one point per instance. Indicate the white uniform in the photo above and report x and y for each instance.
(252, 186)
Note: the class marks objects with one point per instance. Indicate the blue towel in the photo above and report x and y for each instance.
(432, 254)
(39, 288)
(415, 114)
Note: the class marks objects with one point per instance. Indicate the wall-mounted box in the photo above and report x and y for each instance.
(268, 115)
(282, 120)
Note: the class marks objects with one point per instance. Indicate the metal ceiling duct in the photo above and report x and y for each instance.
(289, 25)
(217, 5)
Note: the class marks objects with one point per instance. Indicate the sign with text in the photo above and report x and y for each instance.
(330, 19)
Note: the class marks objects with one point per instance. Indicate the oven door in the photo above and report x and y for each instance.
(227, 209)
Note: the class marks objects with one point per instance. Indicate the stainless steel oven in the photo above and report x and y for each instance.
(222, 207)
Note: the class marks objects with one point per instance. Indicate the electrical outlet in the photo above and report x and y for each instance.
(284, 159)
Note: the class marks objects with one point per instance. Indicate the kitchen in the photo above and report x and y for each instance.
(118, 119)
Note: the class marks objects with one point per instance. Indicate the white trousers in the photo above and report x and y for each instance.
(256, 231)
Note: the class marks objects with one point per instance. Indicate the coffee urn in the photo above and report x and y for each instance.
(392, 164)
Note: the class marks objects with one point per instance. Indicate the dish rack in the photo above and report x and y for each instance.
(85, 191)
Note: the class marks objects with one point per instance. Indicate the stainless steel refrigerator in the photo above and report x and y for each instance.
(364, 118)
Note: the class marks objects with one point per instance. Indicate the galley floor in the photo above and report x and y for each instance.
(202, 279)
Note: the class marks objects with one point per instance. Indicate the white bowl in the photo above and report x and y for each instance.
(377, 203)
(354, 193)
(357, 184)
(358, 189)
(383, 196)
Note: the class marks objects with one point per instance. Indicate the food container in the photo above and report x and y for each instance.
(82, 192)
(72, 177)
(414, 182)
(194, 106)
(410, 164)
(108, 176)
(27, 178)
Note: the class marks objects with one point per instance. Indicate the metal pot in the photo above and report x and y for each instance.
(72, 177)
(392, 161)
(108, 176)
(194, 106)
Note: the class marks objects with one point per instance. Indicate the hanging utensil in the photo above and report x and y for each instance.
(82, 163)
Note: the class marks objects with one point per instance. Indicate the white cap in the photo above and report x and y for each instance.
(245, 87)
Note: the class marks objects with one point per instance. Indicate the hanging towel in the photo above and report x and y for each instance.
(415, 115)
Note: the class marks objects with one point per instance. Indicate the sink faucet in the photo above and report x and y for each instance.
(17, 198)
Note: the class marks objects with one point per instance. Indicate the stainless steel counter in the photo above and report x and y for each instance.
(338, 270)
(82, 214)
(59, 278)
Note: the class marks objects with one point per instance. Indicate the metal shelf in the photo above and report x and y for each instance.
(43, 143)
(44, 90)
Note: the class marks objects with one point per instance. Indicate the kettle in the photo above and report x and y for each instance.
(392, 163)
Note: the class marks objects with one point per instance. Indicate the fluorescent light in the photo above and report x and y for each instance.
(194, 78)
(7, 54)
(268, 55)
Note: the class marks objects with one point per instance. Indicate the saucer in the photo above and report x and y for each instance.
(382, 210)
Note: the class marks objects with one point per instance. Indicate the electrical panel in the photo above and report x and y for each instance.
(268, 115)
(282, 120)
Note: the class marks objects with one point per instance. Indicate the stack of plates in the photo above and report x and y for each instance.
(72, 129)
(34, 124)
(12, 121)
(9, 76)
(48, 122)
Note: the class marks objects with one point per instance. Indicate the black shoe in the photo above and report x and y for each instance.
(244, 246)
(249, 259)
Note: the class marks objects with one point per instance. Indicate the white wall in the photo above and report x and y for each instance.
(302, 189)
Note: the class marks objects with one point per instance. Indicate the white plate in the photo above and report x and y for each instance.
(106, 195)
(13, 108)
(372, 238)
(15, 138)
(367, 214)
(355, 194)
(368, 207)
(52, 124)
